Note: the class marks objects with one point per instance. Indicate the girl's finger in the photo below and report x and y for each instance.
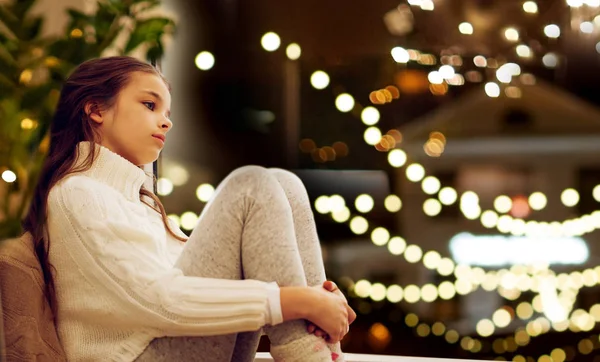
(311, 328)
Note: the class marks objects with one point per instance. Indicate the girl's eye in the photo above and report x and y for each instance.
(152, 105)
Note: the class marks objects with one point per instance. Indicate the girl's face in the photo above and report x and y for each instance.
(137, 125)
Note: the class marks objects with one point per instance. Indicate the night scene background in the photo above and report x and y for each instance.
(450, 149)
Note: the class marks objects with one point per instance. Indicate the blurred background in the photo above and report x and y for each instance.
(449, 147)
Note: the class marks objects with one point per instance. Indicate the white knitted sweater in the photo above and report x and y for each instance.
(116, 285)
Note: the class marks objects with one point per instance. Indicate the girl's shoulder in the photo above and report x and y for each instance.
(77, 186)
(78, 181)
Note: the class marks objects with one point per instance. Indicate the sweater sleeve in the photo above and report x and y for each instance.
(151, 294)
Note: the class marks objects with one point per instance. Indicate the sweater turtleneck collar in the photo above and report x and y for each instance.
(113, 170)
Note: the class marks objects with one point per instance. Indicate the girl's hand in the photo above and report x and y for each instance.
(329, 312)
(331, 287)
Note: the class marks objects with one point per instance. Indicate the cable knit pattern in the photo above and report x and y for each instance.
(116, 285)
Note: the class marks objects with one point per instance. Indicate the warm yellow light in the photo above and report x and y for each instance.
(446, 290)
(336, 203)
(480, 61)
(558, 355)
(485, 328)
(427, 5)
(370, 116)
(429, 293)
(519, 358)
(319, 79)
(393, 203)
(415, 172)
(432, 207)
(595, 312)
(463, 287)
(489, 219)
(511, 34)
(523, 51)
(28, 124)
(501, 318)
(412, 293)
(448, 195)
(372, 136)
(435, 77)
(359, 225)
(513, 92)
(270, 41)
(188, 220)
(490, 282)
(552, 31)
(362, 288)
(432, 259)
(550, 60)
(164, 186)
(446, 267)
(537, 304)
(431, 185)
(397, 158)
(569, 197)
(344, 102)
(438, 328)
(530, 7)
(378, 291)
(537, 200)
(400, 55)
(492, 90)
(590, 278)
(596, 193)
(465, 28)
(394, 293)
(499, 346)
(322, 204)
(503, 204)
(177, 174)
(452, 336)
(413, 253)
(364, 203)
(524, 311)
(411, 319)
(586, 27)
(397, 245)
(204, 60)
(293, 51)
(205, 192)
(521, 337)
(423, 330)
(380, 236)
(585, 346)
(76, 33)
(342, 215)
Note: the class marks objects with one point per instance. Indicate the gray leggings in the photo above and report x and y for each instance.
(258, 225)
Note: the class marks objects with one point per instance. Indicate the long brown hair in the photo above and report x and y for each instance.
(97, 82)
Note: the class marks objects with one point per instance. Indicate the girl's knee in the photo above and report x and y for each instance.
(291, 183)
(248, 172)
(287, 179)
(253, 178)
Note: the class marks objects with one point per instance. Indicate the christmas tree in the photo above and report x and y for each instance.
(34, 66)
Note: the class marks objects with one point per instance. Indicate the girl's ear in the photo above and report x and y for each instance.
(93, 111)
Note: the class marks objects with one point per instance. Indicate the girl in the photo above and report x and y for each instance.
(125, 287)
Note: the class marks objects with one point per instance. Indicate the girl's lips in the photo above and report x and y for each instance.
(161, 138)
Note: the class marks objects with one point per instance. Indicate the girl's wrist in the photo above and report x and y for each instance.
(297, 302)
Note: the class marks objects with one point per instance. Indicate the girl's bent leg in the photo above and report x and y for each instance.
(246, 231)
(306, 235)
